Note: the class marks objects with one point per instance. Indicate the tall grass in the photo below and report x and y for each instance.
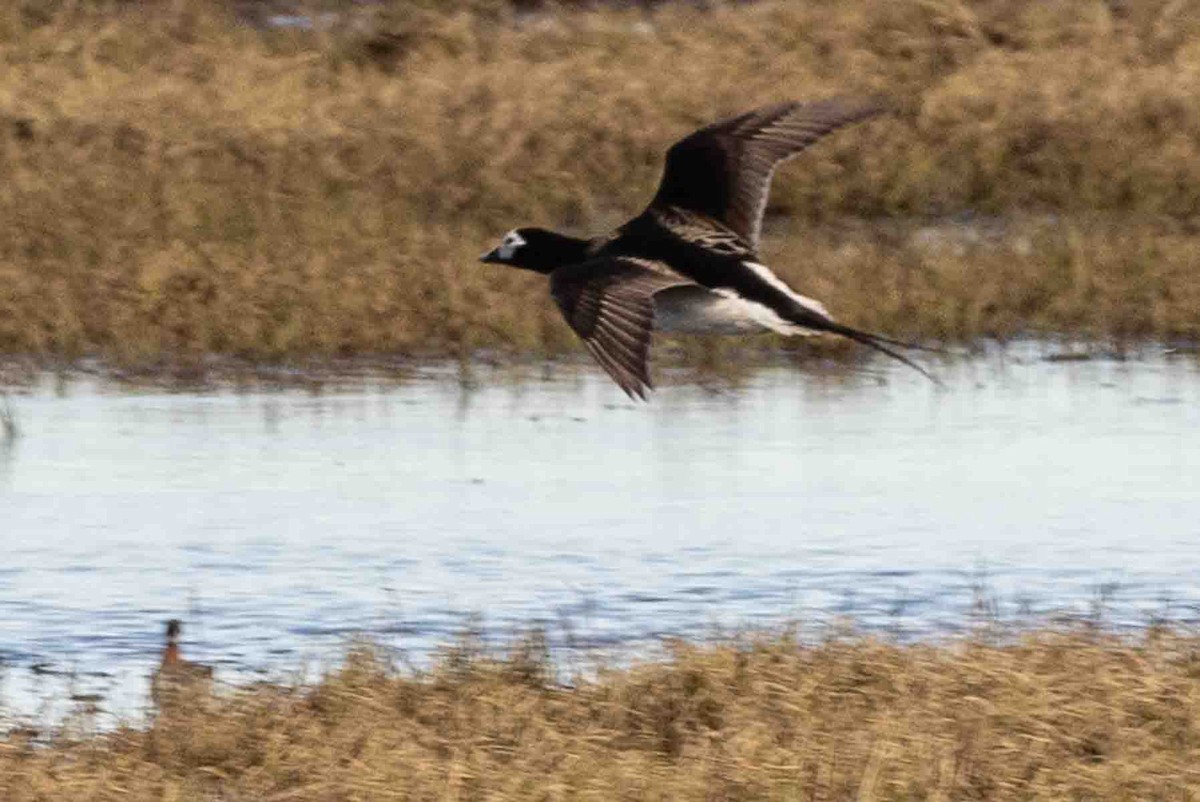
(178, 183)
(1056, 715)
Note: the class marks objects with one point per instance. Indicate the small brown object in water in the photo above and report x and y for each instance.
(177, 677)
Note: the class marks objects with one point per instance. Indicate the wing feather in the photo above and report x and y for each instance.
(608, 302)
(723, 171)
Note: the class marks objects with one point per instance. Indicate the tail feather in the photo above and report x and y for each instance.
(876, 341)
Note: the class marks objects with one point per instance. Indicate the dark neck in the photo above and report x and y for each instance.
(555, 250)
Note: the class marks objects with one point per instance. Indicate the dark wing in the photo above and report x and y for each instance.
(609, 302)
(723, 171)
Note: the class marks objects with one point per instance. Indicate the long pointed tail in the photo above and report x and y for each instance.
(812, 315)
(877, 341)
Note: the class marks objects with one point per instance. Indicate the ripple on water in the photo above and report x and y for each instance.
(281, 527)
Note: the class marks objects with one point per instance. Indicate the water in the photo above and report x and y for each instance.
(280, 523)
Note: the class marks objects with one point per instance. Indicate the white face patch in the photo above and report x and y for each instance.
(512, 241)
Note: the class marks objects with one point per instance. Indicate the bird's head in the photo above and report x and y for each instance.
(536, 249)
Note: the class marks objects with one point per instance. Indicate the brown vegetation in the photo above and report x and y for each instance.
(178, 183)
(1056, 715)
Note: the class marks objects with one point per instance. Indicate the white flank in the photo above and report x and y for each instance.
(775, 281)
(756, 313)
(696, 310)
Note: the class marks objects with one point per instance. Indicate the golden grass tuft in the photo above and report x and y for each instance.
(1054, 715)
(178, 183)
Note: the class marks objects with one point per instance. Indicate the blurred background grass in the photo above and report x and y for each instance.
(276, 182)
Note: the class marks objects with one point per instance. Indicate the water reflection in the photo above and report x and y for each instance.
(278, 523)
(8, 455)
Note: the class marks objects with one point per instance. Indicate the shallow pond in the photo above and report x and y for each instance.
(280, 523)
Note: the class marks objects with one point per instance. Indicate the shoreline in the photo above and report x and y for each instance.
(675, 361)
(1109, 286)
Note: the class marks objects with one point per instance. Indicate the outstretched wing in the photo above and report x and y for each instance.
(723, 171)
(609, 303)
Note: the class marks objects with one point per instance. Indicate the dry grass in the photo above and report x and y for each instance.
(1057, 715)
(178, 184)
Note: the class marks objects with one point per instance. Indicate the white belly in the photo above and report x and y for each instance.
(697, 310)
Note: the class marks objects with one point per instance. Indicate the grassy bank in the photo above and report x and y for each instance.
(1057, 715)
(178, 183)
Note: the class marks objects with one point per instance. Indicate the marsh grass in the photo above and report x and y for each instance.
(1054, 714)
(178, 183)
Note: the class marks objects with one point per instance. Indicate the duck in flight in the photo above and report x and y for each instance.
(689, 263)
